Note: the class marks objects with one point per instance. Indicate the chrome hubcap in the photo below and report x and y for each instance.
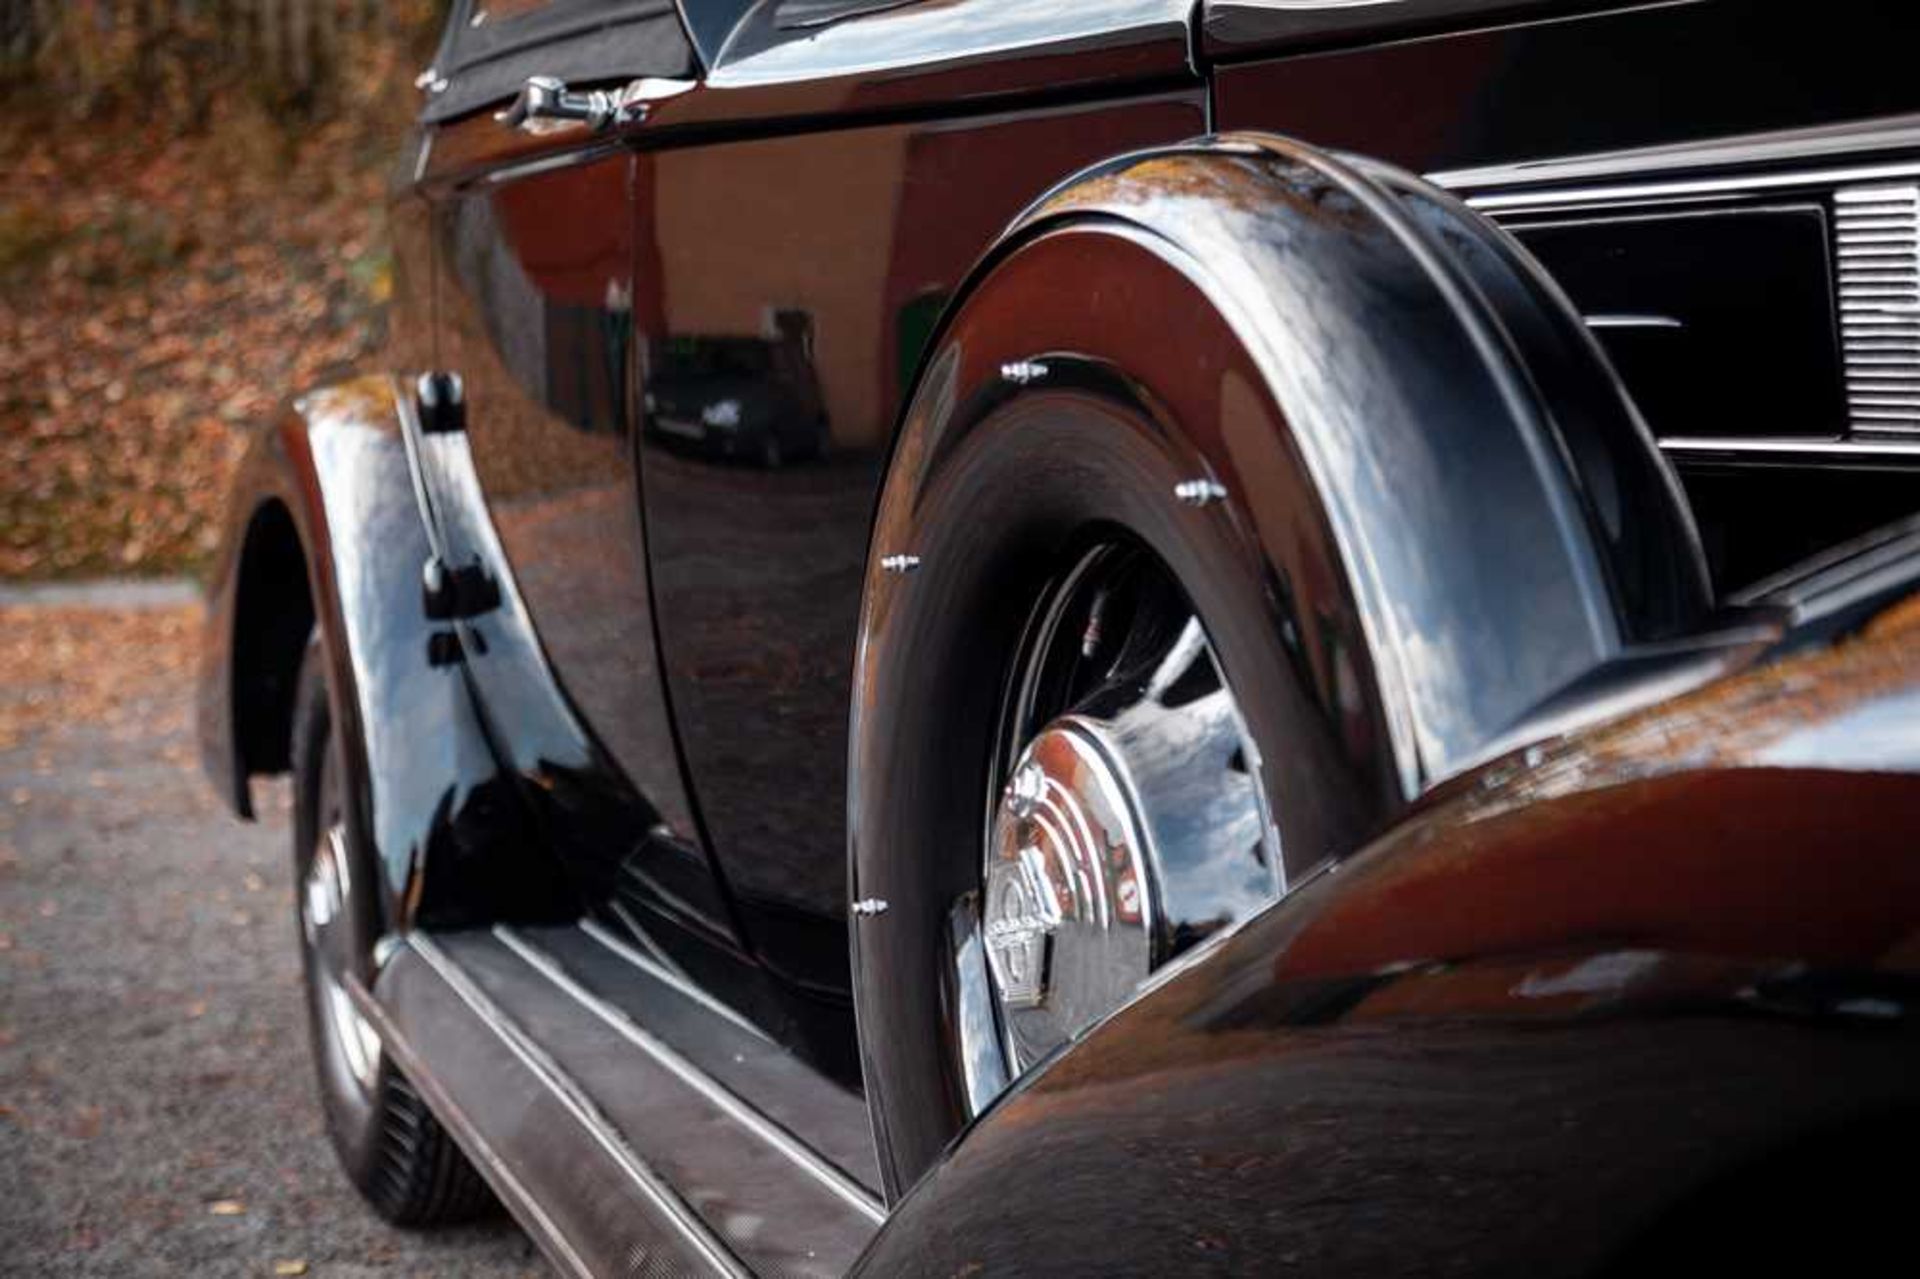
(1129, 826)
(1069, 926)
(328, 933)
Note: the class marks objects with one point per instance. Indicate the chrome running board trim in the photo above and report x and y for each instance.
(724, 1099)
(672, 1209)
(668, 977)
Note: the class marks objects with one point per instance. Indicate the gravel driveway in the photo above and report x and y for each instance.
(157, 1110)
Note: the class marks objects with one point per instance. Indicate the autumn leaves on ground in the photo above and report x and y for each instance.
(162, 288)
(181, 245)
(157, 1109)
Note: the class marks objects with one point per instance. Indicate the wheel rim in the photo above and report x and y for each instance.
(1126, 824)
(350, 1046)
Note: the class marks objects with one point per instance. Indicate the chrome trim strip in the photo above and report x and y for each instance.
(1678, 188)
(653, 969)
(497, 1171)
(1788, 449)
(676, 1211)
(1893, 133)
(735, 1107)
(654, 950)
(1610, 321)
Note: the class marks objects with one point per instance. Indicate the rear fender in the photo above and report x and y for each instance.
(327, 491)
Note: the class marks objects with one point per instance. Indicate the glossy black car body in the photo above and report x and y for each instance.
(1608, 902)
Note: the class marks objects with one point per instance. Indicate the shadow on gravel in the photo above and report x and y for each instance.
(157, 1110)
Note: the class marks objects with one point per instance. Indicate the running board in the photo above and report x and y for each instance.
(620, 1114)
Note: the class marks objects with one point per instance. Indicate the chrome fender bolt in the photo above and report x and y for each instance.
(1199, 492)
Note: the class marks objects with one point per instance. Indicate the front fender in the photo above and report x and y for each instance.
(1426, 509)
(326, 492)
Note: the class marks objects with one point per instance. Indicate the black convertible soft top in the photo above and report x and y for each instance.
(581, 41)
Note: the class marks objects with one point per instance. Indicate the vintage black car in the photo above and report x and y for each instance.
(1343, 695)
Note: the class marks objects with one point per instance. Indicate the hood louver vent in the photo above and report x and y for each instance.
(1877, 241)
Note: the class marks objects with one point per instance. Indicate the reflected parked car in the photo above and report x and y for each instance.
(740, 398)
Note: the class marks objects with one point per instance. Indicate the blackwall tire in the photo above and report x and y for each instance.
(392, 1148)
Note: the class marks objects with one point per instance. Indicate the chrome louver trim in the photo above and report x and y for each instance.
(1877, 256)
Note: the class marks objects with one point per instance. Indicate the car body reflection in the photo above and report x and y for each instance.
(750, 399)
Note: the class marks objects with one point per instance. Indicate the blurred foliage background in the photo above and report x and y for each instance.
(191, 227)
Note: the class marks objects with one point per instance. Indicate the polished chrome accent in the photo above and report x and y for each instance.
(870, 906)
(325, 892)
(1653, 190)
(983, 1059)
(1129, 825)
(722, 1098)
(431, 81)
(1199, 492)
(648, 944)
(546, 105)
(1072, 915)
(899, 563)
(1607, 320)
(1069, 916)
(676, 1211)
(1022, 372)
(1797, 146)
(664, 975)
(1877, 251)
(1850, 452)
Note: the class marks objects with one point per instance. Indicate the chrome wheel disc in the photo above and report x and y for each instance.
(1128, 822)
(352, 1047)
